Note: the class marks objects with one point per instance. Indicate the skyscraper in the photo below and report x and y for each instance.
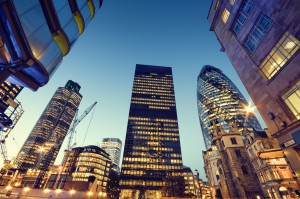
(113, 146)
(262, 41)
(152, 148)
(36, 35)
(43, 143)
(220, 100)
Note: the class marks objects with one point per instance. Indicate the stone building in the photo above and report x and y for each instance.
(261, 39)
(237, 180)
(271, 167)
(211, 157)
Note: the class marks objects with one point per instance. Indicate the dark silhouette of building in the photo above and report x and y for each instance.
(261, 39)
(152, 150)
(220, 100)
(36, 35)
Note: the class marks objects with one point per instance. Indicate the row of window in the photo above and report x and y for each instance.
(152, 103)
(155, 133)
(151, 119)
(150, 93)
(151, 166)
(140, 183)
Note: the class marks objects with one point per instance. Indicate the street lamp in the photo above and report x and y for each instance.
(8, 187)
(46, 190)
(72, 191)
(90, 193)
(26, 189)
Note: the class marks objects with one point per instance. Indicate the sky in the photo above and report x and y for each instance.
(122, 34)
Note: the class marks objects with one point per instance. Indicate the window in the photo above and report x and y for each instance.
(292, 100)
(225, 15)
(242, 16)
(285, 48)
(233, 140)
(257, 33)
(238, 153)
(231, 2)
(244, 169)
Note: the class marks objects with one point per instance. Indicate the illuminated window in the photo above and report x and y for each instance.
(292, 99)
(231, 2)
(257, 33)
(242, 16)
(225, 15)
(285, 48)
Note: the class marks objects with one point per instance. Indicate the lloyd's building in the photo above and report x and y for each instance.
(35, 35)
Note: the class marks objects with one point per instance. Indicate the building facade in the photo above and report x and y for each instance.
(261, 40)
(43, 143)
(220, 100)
(271, 167)
(92, 161)
(237, 179)
(36, 35)
(189, 182)
(211, 157)
(113, 147)
(152, 151)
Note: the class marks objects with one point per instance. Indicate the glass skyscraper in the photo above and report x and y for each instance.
(43, 143)
(36, 35)
(152, 147)
(112, 146)
(219, 100)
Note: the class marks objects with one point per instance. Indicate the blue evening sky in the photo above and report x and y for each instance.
(125, 33)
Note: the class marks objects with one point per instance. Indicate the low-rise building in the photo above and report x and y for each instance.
(271, 166)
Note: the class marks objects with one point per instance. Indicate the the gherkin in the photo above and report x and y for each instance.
(220, 101)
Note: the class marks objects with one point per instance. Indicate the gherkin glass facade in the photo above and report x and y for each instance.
(152, 146)
(220, 101)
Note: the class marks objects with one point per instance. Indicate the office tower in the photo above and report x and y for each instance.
(152, 150)
(261, 39)
(189, 182)
(86, 167)
(113, 146)
(220, 100)
(85, 164)
(36, 35)
(43, 143)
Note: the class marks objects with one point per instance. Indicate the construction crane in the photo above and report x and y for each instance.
(75, 122)
(48, 156)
